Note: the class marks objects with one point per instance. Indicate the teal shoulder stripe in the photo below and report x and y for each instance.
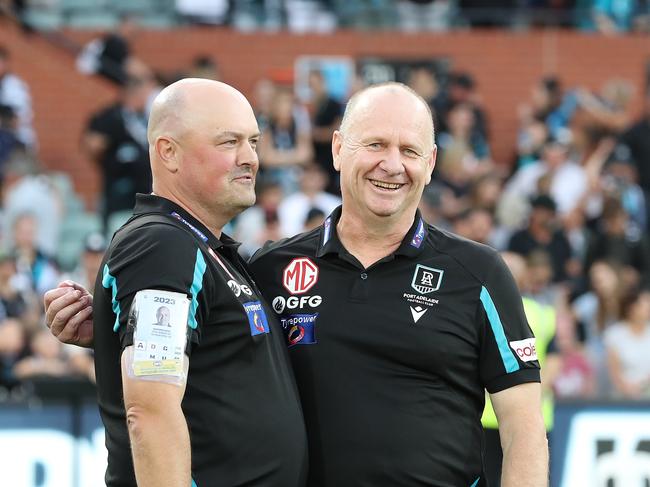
(193, 483)
(509, 360)
(475, 482)
(197, 284)
(109, 281)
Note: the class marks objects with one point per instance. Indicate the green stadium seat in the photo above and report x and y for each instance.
(92, 19)
(43, 19)
(73, 232)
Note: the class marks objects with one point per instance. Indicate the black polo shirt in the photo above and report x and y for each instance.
(392, 361)
(241, 403)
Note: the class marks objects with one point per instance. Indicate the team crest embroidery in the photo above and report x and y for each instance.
(426, 279)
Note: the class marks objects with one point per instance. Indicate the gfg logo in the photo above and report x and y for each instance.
(279, 304)
(300, 275)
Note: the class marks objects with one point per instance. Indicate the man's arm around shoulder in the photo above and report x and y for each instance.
(160, 441)
(523, 436)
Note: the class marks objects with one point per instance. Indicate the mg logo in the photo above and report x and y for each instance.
(300, 275)
(426, 279)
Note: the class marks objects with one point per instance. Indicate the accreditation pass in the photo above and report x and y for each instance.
(160, 332)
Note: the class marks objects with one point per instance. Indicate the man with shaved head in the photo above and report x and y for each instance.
(394, 327)
(208, 399)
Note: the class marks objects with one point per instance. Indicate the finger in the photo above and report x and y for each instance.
(53, 294)
(70, 334)
(63, 309)
(77, 286)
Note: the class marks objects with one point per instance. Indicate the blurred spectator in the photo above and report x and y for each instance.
(422, 15)
(26, 190)
(461, 89)
(206, 67)
(213, 12)
(366, 14)
(530, 142)
(286, 141)
(293, 210)
(555, 173)
(475, 224)
(326, 118)
(14, 301)
(613, 16)
(619, 181)
(31, 262)
(621, 243)
(110, 56)
(263, 94)
(46, 358)
(487, 13)
(627, 343)
(550, 104)
(12, 349)
(595, 311)
(259, 223)
(460, 135)
(9, 141)
(116, 140)
(313, 220)
(423, 81)
(14, 93)
(637, 138)
(543, 232)
(89, 261)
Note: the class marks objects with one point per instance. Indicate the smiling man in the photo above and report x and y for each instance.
(394, 328)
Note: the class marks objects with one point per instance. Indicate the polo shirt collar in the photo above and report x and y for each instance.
(412, 244)
(151, 203)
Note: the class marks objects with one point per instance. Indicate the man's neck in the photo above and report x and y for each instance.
(370, 239)
(201, 214)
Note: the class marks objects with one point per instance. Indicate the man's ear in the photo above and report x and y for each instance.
(337, 143)
(168, 152)
(431, 163)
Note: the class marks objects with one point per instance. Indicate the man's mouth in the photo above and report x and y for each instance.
(384, 185)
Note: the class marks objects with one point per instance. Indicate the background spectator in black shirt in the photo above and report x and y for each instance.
(543, 233)
(116, 139)
(326, 117)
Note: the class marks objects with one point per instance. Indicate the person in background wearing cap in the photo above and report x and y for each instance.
(543, 232)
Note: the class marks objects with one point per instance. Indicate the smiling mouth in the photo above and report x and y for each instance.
(383, 185)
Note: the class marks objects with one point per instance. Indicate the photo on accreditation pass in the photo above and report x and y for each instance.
(159, 322)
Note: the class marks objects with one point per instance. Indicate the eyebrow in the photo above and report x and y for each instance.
(236, 135)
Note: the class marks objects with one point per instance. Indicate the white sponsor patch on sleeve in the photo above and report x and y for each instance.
(525, 349)
(159, 319)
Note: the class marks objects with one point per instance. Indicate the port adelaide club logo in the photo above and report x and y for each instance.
(426, 280)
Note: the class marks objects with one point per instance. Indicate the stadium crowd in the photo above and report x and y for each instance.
(572, 202)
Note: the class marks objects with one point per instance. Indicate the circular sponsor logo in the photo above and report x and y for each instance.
(296, 334)
(278, 304)
(234, 287)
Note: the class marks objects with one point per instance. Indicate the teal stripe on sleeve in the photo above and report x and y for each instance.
(475, 482)
(509, 360)
(109, 281)
(193, 483)
(195, 289)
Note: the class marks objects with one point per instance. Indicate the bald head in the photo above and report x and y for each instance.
(362, 103)
(178, 108)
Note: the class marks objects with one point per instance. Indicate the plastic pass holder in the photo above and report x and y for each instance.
(159, 322)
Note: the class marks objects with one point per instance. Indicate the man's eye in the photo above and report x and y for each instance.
(410, 152)
(374, 146)
(230, 142)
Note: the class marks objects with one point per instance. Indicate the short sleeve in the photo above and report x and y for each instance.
(507, 354)
(155, 256)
